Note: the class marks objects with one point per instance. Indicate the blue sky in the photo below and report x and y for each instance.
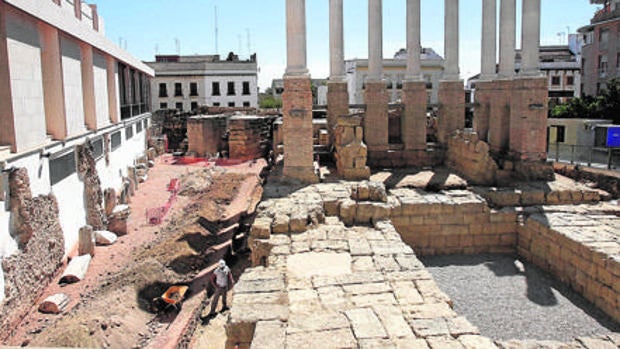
(144, 26)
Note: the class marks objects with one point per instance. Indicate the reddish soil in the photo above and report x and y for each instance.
(113, 306)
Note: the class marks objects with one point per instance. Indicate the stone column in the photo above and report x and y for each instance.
(297, 99)
(51, 68)
(376, 132)
(530, 38)
(88, 87)
(414, 88)
(507, 40)
(451, 91)
(484, 88)
(451, 40)
(337, 94)
(489, 38)
(528, 100)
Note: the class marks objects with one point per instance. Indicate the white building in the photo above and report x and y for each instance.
(187, 82)
(394, 73)
(62, 82)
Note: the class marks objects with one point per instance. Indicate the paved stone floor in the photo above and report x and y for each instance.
(510, 299)
(327, 285)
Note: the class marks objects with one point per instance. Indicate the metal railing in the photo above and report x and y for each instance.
(590, 156)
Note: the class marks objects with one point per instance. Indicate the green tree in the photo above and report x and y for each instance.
(269, 102)
(605, 106)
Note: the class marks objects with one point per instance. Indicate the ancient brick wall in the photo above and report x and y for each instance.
(249, 137)
(470, 157)
(204, 134)
(576, 255)
(93, 194)
(41, 242)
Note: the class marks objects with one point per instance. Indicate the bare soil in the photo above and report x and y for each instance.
(116, 305)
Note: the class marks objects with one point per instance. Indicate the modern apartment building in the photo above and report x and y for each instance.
(63, 85)
(601, 47)
(187, 82)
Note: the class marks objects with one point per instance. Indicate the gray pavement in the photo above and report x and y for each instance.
(509, 300)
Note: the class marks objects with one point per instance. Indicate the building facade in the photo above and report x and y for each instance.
(561, 66)
(394, 73)
(187, 82)
(65, 85)
(601, 47)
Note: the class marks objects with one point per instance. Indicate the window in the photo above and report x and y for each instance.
(163, 105)
(231, 104)
(231, 88)
(115, 140)
(193, 89)
(179, 106)
(62, 167)
(145, 123)
(215, 86)
(178, 90)
(216, 104)
(561, 130)
(602, 65)
(246, 104)
(618, 61)
(194, 105)
(246, 88)
(555, 80)
(97, 148)
(129, 132)
(570, 80)
(163, 90)
(603, 38)
(138, 127)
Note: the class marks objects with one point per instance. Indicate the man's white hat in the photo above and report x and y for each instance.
(222, 263)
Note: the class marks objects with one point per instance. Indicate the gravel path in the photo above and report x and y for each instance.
(509, 300)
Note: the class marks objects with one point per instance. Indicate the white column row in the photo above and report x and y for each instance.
(296, 39)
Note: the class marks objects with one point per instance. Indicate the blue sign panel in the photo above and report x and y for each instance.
(613, 136)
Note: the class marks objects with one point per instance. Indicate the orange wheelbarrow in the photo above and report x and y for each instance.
(174, 295)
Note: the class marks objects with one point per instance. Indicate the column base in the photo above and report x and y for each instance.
(528, 119)
(482, 115)
(500, 95)
(413, 123)
(337, 104)
(376, 134)
(451, 109)
(297, 129)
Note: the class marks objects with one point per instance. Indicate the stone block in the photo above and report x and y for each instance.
(261, 228)
(365, 323)
(269, 335)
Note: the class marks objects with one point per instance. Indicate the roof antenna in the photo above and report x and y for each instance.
(177, 43)
(247, 30)
(216, 32)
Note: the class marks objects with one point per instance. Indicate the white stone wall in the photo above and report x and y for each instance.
(101, 89)
(205, 91)
(72, 82)
(69, 192)
(24, 55)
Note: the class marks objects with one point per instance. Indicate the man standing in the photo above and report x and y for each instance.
(222, 281)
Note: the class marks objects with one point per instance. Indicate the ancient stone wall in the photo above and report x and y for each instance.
(41, 242)
(93, 194)
(249, 137)
(205, 134)
(470, 157)
(578, 253)
(351, 152)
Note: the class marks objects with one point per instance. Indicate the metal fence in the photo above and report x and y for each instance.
(608, 158)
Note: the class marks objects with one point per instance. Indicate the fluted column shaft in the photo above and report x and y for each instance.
(296, 37)
(489, 39)
(336, 40)
(530, 38)
(375, 40)
(507, 38)
(451, 41)
(414, 69)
